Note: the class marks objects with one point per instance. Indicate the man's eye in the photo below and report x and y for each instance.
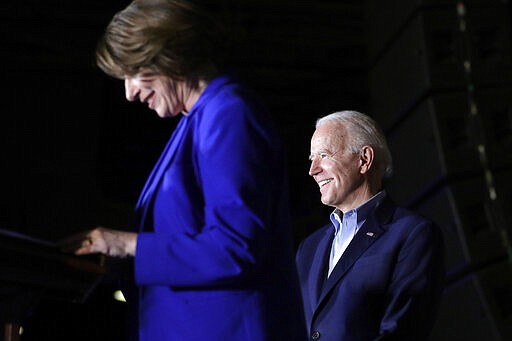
(320, 156)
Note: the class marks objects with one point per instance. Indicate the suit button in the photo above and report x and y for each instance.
(315, 335)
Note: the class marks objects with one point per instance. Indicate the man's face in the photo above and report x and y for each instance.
(162, 94)
(335, 169)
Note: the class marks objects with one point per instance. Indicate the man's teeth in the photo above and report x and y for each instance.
(324, 182)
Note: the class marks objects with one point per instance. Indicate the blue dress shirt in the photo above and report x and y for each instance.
(346, 227)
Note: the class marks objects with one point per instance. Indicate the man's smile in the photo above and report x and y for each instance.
(324, 182)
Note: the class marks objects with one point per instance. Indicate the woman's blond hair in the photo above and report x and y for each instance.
(168, 37)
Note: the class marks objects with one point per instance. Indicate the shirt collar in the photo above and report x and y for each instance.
(211, 89)
(361, 212)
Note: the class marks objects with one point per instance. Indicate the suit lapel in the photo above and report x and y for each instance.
(154, 178)
(146, 196)
(369, 232)
(319, 266)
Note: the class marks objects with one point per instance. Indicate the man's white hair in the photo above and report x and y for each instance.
(363, 131)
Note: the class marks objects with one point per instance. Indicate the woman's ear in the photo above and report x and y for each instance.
(366, 159)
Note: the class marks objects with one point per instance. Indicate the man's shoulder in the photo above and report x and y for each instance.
(315, 237)
(408, 222)
(392, 211)
(309, 246)
(403, 213)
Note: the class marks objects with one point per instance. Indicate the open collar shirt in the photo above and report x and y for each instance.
(346, 226)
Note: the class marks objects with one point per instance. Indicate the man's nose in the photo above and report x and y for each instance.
(314, 168)
(130, 89)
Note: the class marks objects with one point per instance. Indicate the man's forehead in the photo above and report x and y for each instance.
(328, 136)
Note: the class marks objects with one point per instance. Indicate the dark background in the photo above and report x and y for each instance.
(435, 74)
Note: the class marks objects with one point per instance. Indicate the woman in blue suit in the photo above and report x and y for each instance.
(212, 245)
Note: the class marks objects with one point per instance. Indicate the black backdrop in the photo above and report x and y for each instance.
(75, 153)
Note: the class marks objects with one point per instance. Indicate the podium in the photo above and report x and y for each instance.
(32, 269)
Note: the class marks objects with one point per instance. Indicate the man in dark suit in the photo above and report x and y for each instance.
(376, 272)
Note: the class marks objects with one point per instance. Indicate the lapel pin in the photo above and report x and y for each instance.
(370, 234)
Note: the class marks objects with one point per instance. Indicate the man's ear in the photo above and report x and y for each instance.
(366, 159)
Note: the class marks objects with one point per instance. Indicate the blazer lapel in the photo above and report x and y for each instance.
(154, 178)
(319, 266)
(370, 231)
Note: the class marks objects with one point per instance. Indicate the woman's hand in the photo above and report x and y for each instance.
(109, 242)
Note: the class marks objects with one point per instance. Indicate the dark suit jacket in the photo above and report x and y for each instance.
(386, 285)
(214, 258)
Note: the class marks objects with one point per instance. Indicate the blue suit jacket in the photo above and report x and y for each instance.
(386, 285)
(214, 258)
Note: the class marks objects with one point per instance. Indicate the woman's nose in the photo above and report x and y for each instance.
(130, 89)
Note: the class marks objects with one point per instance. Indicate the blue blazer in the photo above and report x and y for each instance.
(386, 286)
(214, 258)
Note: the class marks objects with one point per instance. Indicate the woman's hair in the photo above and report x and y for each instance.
(363, 130)
(169, 37)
